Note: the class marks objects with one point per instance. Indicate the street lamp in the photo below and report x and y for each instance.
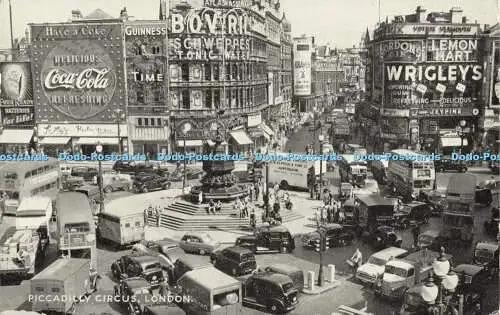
(185, 130)
(98, 149)
(321, 138)
(322, 244)
(463, 123)
(118, 116)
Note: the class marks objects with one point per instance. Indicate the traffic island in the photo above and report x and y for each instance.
(313, 288)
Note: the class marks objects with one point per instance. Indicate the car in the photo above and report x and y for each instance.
(491, 226)
(374, 267)
(432, 240)
(296, 274)
(268, 239)
(234, 260)
(132, 167)
(370, 186)
(65, 169)
(148, 183)
(133, 294)
(485, 189)
(487, 255)
(186, 264)
(335, 234)
(472, 284)
(199, 243)
(435, 200)
(383, 236)
(447, 164)
(115, 181)
(87, 173)
(145, 266)
(412, 213)
(345, 191)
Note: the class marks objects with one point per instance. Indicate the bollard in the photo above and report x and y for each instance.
(311, 280)
(332, 273)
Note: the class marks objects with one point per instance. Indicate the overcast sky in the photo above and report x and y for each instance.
(338, 22)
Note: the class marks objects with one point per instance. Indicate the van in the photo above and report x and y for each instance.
(66, 277)
(379, 171)
(186, 264)
(296, 274)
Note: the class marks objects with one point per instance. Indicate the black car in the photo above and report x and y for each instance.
(268, 239)
(487, 256)
(383, 236)
(412, 213)
(491, 226)
(148, 183)
(432, 240)
(447, 164)
(133, 294)
(145, 266)
(336, 236)
(132, 167)
(235, 261)
(88, 173)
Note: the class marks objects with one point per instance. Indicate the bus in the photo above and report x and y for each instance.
(352, 148)
(24, 179)
(352, 170)
(75, 223)
(409, 173)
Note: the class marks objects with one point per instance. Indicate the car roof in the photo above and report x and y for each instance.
(433, 233)
(332, 226)
(400, 264)
(371, 200)
(488, 246)
(194, 262)
(274, 277)
(137, 282)
(202, 235)
(209, 278)
(390, 252)
(283, 268)
(275, 228)
(141, 258)
(238, 249)
(414, 204)
(468, 269)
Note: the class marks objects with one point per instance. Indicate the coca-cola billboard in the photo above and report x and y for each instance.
(77, 72)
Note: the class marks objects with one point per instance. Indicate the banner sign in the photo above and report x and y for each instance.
(302, 53)
(432, 85)
(18, 116)
(16, 84)
(81, 130)
(78, 69)
(495, 83)
(402, 29)
(444, 111)
(452, 50)
(219, 34)
(401, 50)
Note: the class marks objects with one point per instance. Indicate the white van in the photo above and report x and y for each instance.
(34, 213)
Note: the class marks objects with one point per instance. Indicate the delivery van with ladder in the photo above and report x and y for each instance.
(294, 173)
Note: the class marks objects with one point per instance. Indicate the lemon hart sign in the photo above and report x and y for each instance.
(78, 71)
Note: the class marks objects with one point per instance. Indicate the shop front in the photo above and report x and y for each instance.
(240, 141)
(198, 136)
(260, 132)
(149, 135)
(16, 141)
(82, 138)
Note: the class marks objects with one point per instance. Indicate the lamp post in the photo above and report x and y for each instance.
(186, 128)
(463, 123)
(98, 149)
(322, 240)
(321, 138)
(118, 116)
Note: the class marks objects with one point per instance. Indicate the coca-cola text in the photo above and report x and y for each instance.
(88, 79)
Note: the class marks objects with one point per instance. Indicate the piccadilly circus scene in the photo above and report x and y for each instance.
(247, 157)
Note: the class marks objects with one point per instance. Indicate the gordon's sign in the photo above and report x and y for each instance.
(401, 50)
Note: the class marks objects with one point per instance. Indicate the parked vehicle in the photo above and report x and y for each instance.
(92, 192)
(447, 164)
(293, 173)
(369, 186)
(374, 267)
(70, 183)
(115, 181)
(186, 264)
(132, 167)
(336, 236)
(123, 221)
(412, 213)
(345, 191)
(296, 274)
(435, 200)
(383, 236)
(87, 173)
(212, 293)
(379, 171)
(199, 243)
(373, 211)
(165, 247)
(432, 240)
(268, 239)
(401, 274)
(148, 183)
(146, 266)
(235, 260)
(272, 291)
(486, 255)
(65, 277)
(133, 294)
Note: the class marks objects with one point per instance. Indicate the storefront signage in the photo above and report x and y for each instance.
(227, 4)
(452, 50)
(495, 83)
(254, 120)
(401, 50)
(302, 53)
(81, 130)
(146, 30)
(16, 85)
(71, 31)
(395, 29)
(18, 116)
(444, 111)
(441, 73)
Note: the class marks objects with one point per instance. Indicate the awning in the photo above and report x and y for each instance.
(95, 141)
(54, 140)
(241, 137)
(260, 133)
(211, 143)
(190, 143)
(447, 142)
(267, 129)
(16, 136)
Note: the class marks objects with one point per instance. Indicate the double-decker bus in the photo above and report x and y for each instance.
(352, 170)
(24, 179)
(75, 224)
(410, 172)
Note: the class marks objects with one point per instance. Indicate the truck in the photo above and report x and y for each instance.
(212, 292)
(61, 285)
(294, 173)
(401, 274)
(20, 252)
(458, 218)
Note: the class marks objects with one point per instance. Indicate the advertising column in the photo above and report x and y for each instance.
(302, 72)
(79, 88)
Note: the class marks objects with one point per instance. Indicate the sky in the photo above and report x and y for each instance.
(341, 23)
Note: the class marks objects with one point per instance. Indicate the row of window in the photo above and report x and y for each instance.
(41, 170)
(153, 122)
(212, 72)
(38, 190)
(235, 98)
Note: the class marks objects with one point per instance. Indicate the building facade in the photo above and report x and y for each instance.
(78, 88)
(426, 78)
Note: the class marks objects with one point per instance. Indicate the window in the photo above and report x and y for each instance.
(146, 122)
(127, 225)
(185, 71)
(39, 289)
(152, 121)
(208, 99)
(138, 224)
(217, 98)
(139, 121)
(228, 72)
(216, 72)
(140, 97)
(11, 176)
(55, 290)
(159, 122)
(185, 99)
(208, 72)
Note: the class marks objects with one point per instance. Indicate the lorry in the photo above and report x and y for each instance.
(294, 173)
(122, 222)
(20, 252)
(401, 274)
(457, 217)
(212, 292)
(60, 286)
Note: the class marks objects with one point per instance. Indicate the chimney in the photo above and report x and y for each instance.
(486, 27)
(124, 14)
(456, 15)
(421, 16)
(27, 35)
(76, 15)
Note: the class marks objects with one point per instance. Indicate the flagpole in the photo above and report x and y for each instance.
(11, 30)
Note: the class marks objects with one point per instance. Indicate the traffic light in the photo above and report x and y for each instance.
(317, 245)
(327, 244)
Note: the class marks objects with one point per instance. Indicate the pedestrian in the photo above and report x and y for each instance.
(93, 276)
(245, 209)
(211, 207)
(251, 192)
(415, 231)
(257, 191)
(252, 219)
(276, 189)
(200, 198)
(240, 209)
(218, 206)
(357, 260)
(341, 216)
